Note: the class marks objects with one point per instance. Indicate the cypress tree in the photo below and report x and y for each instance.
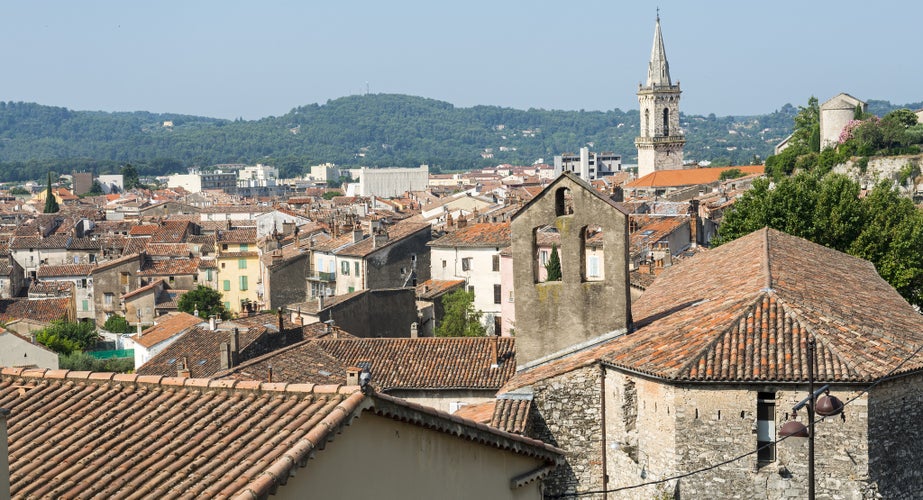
(51, 204)
(553, 266)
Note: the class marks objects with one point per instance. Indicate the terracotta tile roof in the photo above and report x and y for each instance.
(304, 362)
(83, 244)
(311, 306)
(143, 230)
(431, 289)
(396, 233)
(168, 249)
(169, 299)
(477, 235)
(421, 363)
(247, 235)
(481, 413)
(203, 438)
(41, 310)
(38, 289)
(687, 177)
(172, 231)
(170, 267)
(54, 241)
(146, 288)
(166, 327)
(709, 320)
(116, 262)
(511, 414)
(64, 270)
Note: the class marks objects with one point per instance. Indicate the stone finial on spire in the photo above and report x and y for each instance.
(658, 71)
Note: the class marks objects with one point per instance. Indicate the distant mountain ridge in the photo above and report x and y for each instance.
(360, 130)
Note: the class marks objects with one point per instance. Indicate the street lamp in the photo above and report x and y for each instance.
(825, 406)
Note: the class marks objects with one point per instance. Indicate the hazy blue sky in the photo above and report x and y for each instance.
(254, 59)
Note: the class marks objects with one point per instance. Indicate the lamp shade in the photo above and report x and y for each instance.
(828, 406)
(793, 428)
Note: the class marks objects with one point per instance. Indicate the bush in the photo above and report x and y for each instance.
(82, 361)
(64, 337)
(116, 324)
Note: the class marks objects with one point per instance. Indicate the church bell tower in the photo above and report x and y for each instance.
(660, 143)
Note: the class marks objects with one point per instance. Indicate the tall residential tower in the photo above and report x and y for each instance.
(660, 144)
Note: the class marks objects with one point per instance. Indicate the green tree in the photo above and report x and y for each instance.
(883, 228)
(733, 173)
(553, 266)
(460, 319)
(96, 188)
(81, 361)
(329, 195)
(19, 190)
(807, 127)
(205, 300)
(116, 324)
(51, 204)
(130, 179)
(65, 337)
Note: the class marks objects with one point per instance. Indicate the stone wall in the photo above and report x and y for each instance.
(287, 283)
(383, 267)
(895, 412)
(885, 167)
(566, 412)
(656, 430)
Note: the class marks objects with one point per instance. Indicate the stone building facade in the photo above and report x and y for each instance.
(688, 402)
(835, 114)
(576, 308)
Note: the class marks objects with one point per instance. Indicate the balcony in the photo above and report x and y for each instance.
(324, 277)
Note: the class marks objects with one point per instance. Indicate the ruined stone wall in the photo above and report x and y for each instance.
(566, 412)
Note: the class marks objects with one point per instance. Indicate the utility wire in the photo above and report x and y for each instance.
(738, 457)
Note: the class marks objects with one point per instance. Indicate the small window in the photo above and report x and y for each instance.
(86, 305)
(244, 247)
(543, 257)
(243, 283)
(108, 298)
(443, 263)
(511, 297)
(765, 427)
(208, 274)
(344, 268)
(471, 290)
(356, 268)
(241, 263)
(466, 264)
(227, 285)
(495, 263)
(498, 294)
(227, 306)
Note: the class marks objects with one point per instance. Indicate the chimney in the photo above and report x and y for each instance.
(413, 330)
(357, 234)
(184, 370)
(5, 454)
(462, 221)
(494, 361)
(212, 323)
(235, 347)
(225, 354)
(380, 238)
(352, 375)
(270, 375)
(694, 222)
(280, 320)
(320, 302)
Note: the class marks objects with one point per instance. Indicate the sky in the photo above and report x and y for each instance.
(233, 59)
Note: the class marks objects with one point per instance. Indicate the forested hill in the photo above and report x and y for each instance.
(368, 130)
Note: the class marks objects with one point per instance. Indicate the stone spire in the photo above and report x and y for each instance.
(658, 70)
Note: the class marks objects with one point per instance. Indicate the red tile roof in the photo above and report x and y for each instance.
(171, 267)
(166, 327)
(65, 270)
(687, 177)
(396, 233)
(430, 289)
(477, 235)
(41, 310)
(742, 312)
(420, 363)
(247, 235)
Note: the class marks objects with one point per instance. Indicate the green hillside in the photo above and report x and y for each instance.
(368, 130)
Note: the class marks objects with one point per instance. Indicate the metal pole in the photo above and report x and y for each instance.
(811, 360)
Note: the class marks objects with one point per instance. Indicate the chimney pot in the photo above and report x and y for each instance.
(494, 361)
(352, 375)
(413, 330)
(212, 323)
(225, 354)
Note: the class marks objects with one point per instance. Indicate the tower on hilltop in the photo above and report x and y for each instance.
(660, 144)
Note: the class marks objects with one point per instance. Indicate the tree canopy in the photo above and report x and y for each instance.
(553, 266)
(205, 300)
(883, 227)
(65, 337)
(460, 319)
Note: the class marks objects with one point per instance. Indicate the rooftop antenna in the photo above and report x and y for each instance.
(366, 88)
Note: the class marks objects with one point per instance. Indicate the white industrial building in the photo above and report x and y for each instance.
(587, 164)
(390, 182)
